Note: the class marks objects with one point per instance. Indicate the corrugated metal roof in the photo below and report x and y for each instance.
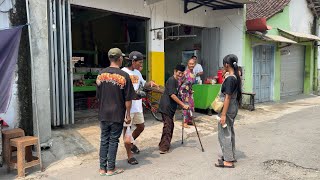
(273, 38)
(277, 38)
(299, 35)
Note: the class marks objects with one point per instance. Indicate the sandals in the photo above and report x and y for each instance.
(133, 161)
(222, 159)
(115, 172)
(220, 164)
(185, 125)
(135, 149)
(190, 123)
(163, 152)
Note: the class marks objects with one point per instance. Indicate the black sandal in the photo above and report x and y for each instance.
(133, 161)
(135, 149)
(222, 159)
(221, 164)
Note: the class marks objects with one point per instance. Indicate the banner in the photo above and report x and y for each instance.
(9, 49)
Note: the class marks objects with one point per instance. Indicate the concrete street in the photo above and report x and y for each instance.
(280, 143)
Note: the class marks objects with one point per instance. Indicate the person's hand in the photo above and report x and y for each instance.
(223, 119)
(152, 84)
(185, 107)
(128, 119)
(98, 82)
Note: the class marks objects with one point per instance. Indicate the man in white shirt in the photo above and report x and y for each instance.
(198, 71)
(135, 63)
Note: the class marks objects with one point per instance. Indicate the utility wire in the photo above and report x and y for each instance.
(234, 25)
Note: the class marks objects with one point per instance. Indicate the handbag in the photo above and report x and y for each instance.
(217, 104)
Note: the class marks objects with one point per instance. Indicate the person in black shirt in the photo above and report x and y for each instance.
(231, 94)
(115, 93)
(168, 107)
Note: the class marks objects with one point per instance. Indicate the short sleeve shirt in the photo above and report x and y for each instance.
(229, 85)
(197, 69)
(167, 105)
(116, 88)
(137, 81)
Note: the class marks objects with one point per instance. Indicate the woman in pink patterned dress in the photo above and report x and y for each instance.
(186, 92)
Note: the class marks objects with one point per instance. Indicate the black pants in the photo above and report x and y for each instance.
(168, 126)
(110, 134)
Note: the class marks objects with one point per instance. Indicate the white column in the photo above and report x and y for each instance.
(40, 70)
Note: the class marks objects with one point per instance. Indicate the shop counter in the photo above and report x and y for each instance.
(204, 94)
(84, 88)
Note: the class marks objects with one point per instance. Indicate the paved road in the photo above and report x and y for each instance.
(284, 148)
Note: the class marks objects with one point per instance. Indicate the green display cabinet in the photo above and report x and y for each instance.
(84, 88)
(204, 94)
(89, 86)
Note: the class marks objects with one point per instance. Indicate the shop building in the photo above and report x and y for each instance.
(281, 58)
(70, 39)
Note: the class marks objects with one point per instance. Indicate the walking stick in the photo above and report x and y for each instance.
(196, 129)
(182, 129)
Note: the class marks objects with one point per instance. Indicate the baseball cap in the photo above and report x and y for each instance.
(115, 52)
(135, 55)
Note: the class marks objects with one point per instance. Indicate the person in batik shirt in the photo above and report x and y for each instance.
(186, 92)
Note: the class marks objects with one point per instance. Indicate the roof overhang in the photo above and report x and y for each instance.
(272, 38)
(298, 37)
(215, 4)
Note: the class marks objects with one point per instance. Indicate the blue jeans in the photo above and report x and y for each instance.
(110, 134)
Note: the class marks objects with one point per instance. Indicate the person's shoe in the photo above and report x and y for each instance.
(185, 125)
(135, 149)
(222, 159)
(190, 123)
(163, 152)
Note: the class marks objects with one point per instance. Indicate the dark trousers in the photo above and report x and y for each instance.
(110, 134)
(168, 126)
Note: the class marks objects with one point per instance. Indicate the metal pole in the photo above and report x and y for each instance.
(194, 123)
(34, 91)
(177, 25)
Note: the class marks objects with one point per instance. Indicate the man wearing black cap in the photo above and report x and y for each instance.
(115, 93)
(132, 68)
(168, 106)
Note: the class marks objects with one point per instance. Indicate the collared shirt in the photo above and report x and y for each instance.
(197, 69)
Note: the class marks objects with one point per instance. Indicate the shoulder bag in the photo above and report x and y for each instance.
(217, 104)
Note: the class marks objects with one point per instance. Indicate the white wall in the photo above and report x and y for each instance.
(301, 17)
(231, 23)
(11, 116)
(164, 11)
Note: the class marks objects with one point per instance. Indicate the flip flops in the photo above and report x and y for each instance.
(234, 161)
(115, 172)
(220, 164)
(133, 161)
(163, 152)
(135, 149)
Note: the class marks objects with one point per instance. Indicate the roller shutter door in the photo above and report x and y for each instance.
(292, 70)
